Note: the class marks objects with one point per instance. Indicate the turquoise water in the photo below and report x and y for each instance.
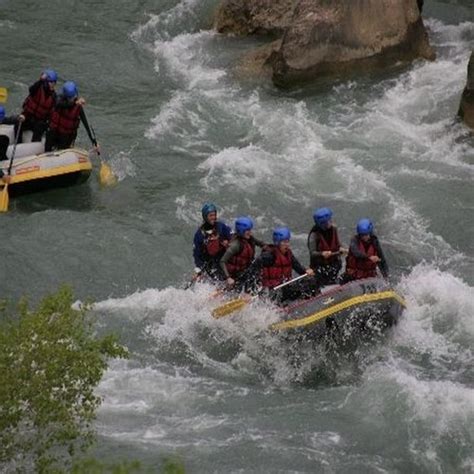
(179, 127)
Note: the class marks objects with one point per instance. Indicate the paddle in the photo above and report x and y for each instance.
(238, 303)
(3, 95)
(106, 175)
(4, 197)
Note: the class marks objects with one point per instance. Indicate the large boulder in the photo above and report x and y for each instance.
(337, 36)
(250, 17)
(466, 108)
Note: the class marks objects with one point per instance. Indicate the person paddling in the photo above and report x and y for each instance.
(278, 263)
(236, 263)
(324, 247)
(4, 139)
(365, 254)
(210, 243)
(66, 116)
(38, 106)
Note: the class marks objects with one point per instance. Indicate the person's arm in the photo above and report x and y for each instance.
(258, 242)
(383, 262)
(197, 250)
(232, 250)
(86, 125)
(296, 265)
(313, 244)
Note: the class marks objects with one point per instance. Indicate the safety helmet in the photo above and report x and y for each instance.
(243, 224)
(70, 89)
(207, 208)
(51, 75)
(280, 234)
(322, 215)
(2, 112)
(364, 227)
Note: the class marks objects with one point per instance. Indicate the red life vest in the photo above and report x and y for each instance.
(359, 268)
(65, 121)
(212, 244)
(323, 246)
(280, 271)
(240, 262)
(40, 105)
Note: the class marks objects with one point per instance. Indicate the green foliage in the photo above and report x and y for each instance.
(173, 466)
(50, 362)
(93, 466)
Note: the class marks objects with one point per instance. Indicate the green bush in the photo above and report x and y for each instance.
(51, 360)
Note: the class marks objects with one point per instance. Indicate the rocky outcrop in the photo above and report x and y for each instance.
(254, 17)
(326, 37)
(337, 36)
(466, 108)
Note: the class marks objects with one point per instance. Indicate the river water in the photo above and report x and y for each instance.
(179, 128)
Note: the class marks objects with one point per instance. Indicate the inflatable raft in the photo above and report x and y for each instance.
(369, 304)
(34, 170)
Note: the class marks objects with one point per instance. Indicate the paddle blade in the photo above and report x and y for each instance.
(3, 95)
(4, 199)
(106, 175)
(228, 308)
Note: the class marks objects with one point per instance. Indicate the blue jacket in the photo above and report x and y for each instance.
(199, 254)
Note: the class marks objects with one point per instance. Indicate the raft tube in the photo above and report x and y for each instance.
(33, 170)
(362, 304)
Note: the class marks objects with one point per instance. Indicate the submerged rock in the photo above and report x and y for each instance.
(466, 108)
(326, 37)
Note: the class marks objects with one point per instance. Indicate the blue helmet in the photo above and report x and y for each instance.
(243, 224)
(2, 112)
(207, 208)
(51, 75)
(280, 234)
(364, 227)
(322, 216)
(70, 90)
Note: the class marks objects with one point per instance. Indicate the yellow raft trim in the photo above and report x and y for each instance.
(85, 165)
(312, 318)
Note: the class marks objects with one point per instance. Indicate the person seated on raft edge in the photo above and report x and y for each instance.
(210, 243)
(5, 140)
(38, 106)
(324, 247)
(365, 254)
(65, 119)
(277, 265)
(237, 263)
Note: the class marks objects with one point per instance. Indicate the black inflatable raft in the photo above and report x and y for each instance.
(363, 304)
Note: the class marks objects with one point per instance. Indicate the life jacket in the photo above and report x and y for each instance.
(323, 246)
(65, 121)
(39, 105)
(280, 271)
(359, 268)
(240, 262)
(212, 243)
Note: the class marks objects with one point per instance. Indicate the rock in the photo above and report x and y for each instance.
(466, 108)
(336, 36)
(254, 17)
